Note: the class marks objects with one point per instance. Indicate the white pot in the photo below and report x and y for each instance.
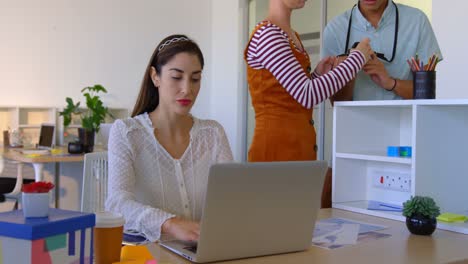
(35, 204)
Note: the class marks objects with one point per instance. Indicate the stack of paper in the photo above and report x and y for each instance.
(334, 233)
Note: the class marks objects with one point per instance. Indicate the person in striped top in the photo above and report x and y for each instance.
(284, 91)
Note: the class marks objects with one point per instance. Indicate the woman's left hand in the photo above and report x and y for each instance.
(325, 65)
(181, 229)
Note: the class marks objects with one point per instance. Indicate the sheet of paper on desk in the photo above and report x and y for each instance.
(345, 234)
(334, 233)
(37, 152)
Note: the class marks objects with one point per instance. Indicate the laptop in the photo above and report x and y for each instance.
(256, 209)
(46, 136)
(46, 140)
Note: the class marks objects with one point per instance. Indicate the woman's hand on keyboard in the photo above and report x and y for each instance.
(181, 229)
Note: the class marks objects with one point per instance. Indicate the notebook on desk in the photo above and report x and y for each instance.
(256, 209)
(46, 140)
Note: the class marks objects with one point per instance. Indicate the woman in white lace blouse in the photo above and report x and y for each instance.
(160, 158)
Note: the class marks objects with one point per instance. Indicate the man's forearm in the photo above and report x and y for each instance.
(404, 89)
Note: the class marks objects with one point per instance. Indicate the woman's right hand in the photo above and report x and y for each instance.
(365, 48)
(181, 229)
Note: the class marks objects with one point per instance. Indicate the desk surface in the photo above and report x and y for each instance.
(401, 247)
(15, 154)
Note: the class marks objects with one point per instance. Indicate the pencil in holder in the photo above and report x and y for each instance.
(424, 85)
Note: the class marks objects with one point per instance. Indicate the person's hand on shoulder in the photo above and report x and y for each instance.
(365, 48)
(181, 229)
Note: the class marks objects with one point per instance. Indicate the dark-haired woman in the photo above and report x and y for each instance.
(160, 157)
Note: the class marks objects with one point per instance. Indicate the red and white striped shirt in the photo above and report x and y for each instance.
(269, 49)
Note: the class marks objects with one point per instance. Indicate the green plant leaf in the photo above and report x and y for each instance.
(95, 114)
(421, 205)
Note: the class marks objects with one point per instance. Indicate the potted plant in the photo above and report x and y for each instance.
(91, 118)
(35, 199)
(421, 213)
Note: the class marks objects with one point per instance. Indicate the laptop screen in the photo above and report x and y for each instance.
(46, 137)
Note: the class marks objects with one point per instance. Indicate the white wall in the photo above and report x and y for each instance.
(449, 20)
(228, 85)
(51, 49)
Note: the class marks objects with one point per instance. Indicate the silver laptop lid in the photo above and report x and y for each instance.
(255, 209)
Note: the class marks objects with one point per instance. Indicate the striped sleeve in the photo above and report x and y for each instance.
(269, 49)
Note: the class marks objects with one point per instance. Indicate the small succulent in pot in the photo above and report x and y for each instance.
(421, 213)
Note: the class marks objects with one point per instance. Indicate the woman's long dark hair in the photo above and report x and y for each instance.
(148, 98)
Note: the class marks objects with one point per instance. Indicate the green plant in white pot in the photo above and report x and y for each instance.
(91, 118)
(421, 213)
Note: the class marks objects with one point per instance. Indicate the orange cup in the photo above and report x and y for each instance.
(108, 235)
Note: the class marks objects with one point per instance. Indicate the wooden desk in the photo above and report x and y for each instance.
(401, 247)
(39, 161)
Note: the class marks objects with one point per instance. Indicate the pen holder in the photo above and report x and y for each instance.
(424, 85)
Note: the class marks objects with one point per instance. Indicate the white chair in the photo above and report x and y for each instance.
(11, 198)
(19, 179)
(94, 191)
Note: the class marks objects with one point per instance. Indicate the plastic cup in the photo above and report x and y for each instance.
(108, 235)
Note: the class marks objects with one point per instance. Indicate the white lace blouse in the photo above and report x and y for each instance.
(148, 186)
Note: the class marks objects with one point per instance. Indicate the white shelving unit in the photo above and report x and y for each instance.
(437, 131)
(28, 121)
(8, 119)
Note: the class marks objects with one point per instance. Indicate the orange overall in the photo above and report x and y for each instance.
(284, 129)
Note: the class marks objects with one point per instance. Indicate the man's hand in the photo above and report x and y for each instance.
(378, 74)
(325, 65)
(181, 229)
